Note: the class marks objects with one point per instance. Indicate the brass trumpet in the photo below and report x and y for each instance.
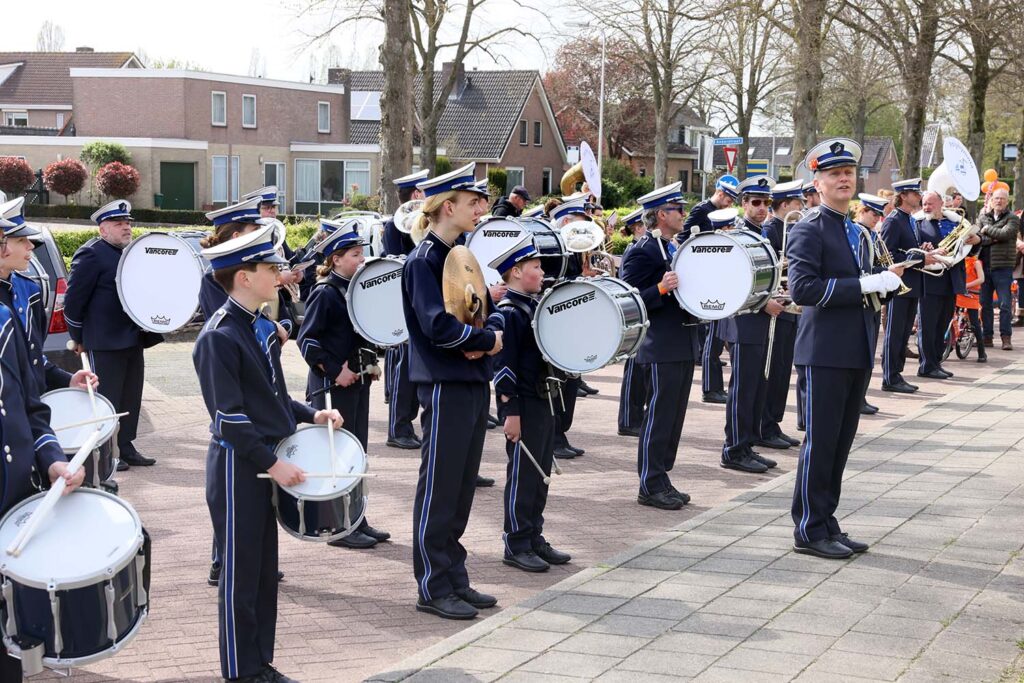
(885, 259)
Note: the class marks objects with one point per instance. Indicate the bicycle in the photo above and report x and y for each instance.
(959, 335)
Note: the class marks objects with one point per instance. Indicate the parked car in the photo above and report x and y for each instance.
(48, 269)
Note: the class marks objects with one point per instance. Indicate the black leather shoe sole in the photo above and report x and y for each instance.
(934, 374)
(671, 503)
(376, 534)
(432, 608)
(122, 466)
(777, 443)
(533, 568)
(790, 440)
(404, 444)
(553, 556)
(565, 454)
(751, 466)
(476, 599)
(824, 554)
(356, 540)
(854, 546)
(137, 461)
(629, 432)
(868, 409)
(484, 482)
(714, 398)
(897, 388)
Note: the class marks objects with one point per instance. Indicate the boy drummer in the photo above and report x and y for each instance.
(238, 359)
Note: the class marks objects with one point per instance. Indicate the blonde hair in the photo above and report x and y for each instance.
(429, 214)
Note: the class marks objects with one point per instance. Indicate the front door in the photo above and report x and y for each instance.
(178, 185)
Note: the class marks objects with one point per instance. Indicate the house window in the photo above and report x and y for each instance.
(322, 186)
(545, 181)
(16, 118)
(681, 139)
(684, 178)
(221, 180)
(60, 120)
(537, 133)
(274, 174)
(514, 176)
(643, 171)
(248, 111)
(323, 117)
(218, 108)
(522, 133)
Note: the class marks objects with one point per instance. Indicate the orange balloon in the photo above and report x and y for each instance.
(1001, 186)
(985, 186)
(991, 175)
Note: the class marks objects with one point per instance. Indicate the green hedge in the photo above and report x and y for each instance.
(160, 216)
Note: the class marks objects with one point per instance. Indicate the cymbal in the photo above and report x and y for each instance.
(463, 288)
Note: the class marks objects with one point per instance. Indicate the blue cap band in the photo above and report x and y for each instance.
(239, 216)
(250, 254)
(527, 252)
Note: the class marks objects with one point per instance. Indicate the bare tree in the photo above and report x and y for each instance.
(257, 64)
(396, 102)
(50, 37)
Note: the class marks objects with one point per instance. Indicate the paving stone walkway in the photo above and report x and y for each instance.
(722, 597)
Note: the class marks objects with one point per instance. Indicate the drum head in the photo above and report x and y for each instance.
(308, 448)
(490, 240)
(68, 406)
(88, 536)
(374, 300)
(578, 327)
(715, 275)
(158, 280)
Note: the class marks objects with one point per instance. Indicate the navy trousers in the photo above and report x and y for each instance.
(936, 312)
(748, 393)
(453, 421)
(834, 397)
(668, 392)
(122, 374)
(631, 396)
(711, 362)
(246, 532)
(899, 323)
(564, 417)
(401, 393)
(779, 378)
(525, 491)
(874, 350)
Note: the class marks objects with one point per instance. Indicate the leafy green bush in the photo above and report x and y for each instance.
(498, 177)
(157, 216)
(99, 154)
(617, 243)
(365, 202)
(628, 185)
(442, 165)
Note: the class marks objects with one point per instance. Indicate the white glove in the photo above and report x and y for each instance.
(883, 282)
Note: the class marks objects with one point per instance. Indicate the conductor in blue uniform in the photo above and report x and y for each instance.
(828, 278)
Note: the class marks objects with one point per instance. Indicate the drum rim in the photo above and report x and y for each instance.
(522, 222)
(99, 397)
(334, 494)
(321, 538)
(200, 266)
(129, 635)
(350, 308)
(78, 581)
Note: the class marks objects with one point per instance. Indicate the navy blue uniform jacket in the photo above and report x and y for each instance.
(950, 282)
(327, 337)
(24, 297)
(520, 366)
(697, 220)
(396, 242)
(749, 328)
(899, 230)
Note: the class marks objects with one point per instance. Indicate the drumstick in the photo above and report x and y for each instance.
(52, 496)
(545, 478)
(656, 234)
(91, 420)
(330, 434)
(88, 385)
(326, 475)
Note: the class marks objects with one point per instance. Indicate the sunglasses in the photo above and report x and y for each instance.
(759, 202)
(672, 208)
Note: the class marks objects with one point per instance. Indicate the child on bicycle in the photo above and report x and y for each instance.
(972, 303)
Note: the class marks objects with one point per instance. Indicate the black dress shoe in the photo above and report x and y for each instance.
(630, 431)
(791, 440)
(280, 576)
(563, 453)
(773, 442)
(476, 598)
(715, 397)
(801, 428)
(122, 466)
(275, 676)
(663, 500)
(576, 450)
(982, 358)
(826, 548)
(684, 498)
(110, 486)
(356, 540)
(214, 577)
(868, 409)
(450, 606)
(545, 552)
(932, 374)
(855, 546)
(137, 459)
(744, 463)
(588, 389)
(484, 482)
(912, 387)
(375, 534)
(405, 442)
(580, 393)
(946, 372)
(527, 560)
(899, 388)
(767, 462)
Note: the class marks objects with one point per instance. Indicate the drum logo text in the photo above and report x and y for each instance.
(501, 233)
(291, 451)
(160, 320)
(712, 249)
(380, 279)
(712, 305)
(161, 251)
(22, 518)
(591, 358)
(398, 333)
(571, 303)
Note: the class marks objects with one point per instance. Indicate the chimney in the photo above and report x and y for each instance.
(84, 49)
(460, 78)
(343, 77)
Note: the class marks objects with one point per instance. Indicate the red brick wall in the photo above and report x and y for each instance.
(129, 107)
(531, 158)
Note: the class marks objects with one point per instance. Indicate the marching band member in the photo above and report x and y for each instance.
(97, 323)
(452, 378)
(712, 385)
(869, 214)
(747, 336)
(23, 295)
(786, 197)
(633, 389)
(669, 350)
(394, 241)
(811, 197)
(238, 360)
(938, 300)
(336, 353)
(289, 281)
(899, 230)
(519, 382)
(833, 345)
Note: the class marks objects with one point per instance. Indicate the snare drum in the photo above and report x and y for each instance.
(374, 301)
(493, 236)
(158, 280)
(725, 273)
(68, 406)
(583, 325)
(79, 591)
(322, 509)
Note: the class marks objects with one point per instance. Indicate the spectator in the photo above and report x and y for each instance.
(971, 303)
(511, 206)
(1000, 229)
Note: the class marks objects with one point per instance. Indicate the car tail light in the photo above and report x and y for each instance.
(57, 322)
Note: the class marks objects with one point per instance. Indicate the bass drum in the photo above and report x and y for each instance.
(725, 273)
(583, 325)
(493, 236)
(158, 280)
(554, 256)
(374, 301)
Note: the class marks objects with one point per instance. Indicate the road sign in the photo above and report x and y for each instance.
(731, 142)
(757, 167)
(730, 157)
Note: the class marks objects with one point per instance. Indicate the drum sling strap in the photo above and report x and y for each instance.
(364, 357)
(552, 383)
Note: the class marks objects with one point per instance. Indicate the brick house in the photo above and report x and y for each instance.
(495, 118)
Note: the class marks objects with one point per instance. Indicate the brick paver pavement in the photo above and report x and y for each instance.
(722, 597)
(345, 614)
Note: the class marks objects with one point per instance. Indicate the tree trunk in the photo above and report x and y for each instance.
(396, 102)
(662, 124)
(1018, 167)
(981, 76)
(809, 16)
(428, 122)
(860, 125)
(916, 74)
